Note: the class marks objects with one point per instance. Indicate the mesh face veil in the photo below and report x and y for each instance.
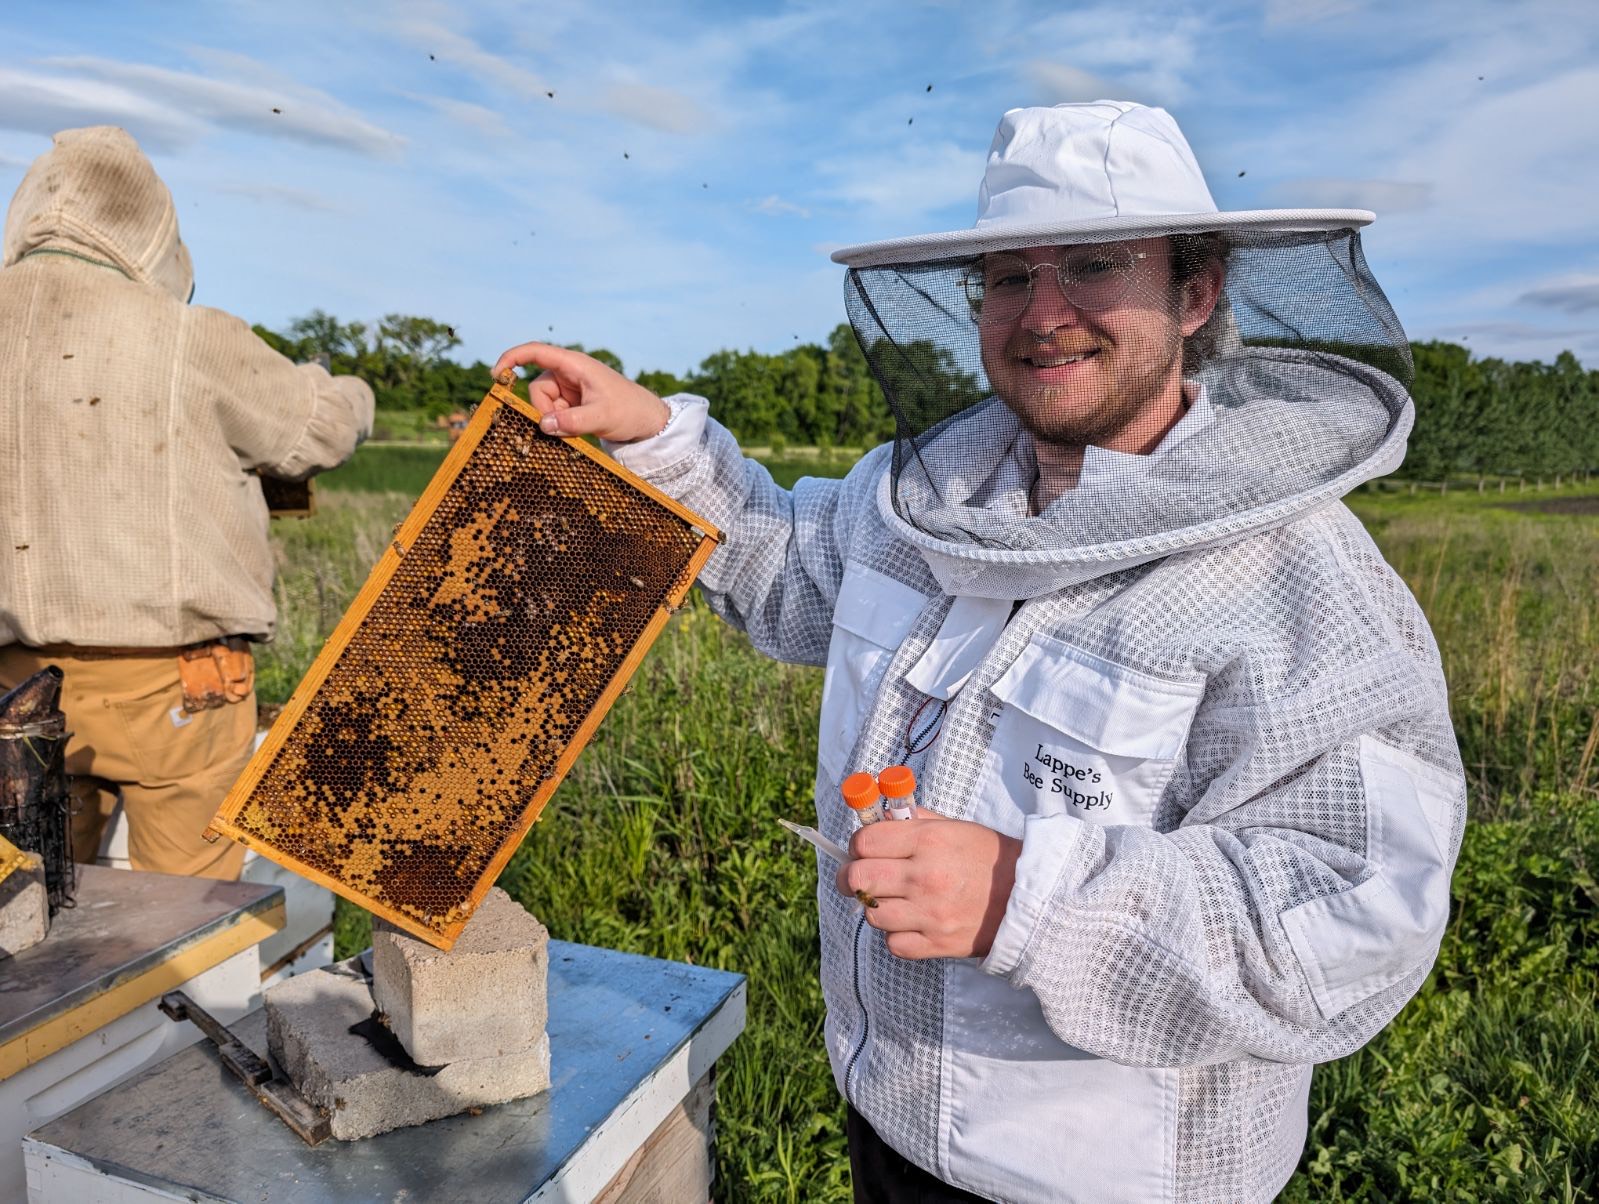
(1262, 368)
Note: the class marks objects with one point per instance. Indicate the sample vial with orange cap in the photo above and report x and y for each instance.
(898, 786)
(861, 796)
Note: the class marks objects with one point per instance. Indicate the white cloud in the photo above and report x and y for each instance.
(1059, 83)
(657, 108)
(776, 206)
(920, 179)
(1152, 51)
(295, 113)
(1575, 295)
(40, 104)
(475, 117)
(1492, 112)
(1519, 340)
(294, 198)
(1524, 164)
(1381, 196)
(447, 45)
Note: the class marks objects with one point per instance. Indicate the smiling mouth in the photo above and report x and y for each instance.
(1039, 360)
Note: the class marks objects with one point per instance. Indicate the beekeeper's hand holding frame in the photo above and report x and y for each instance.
(578, 395)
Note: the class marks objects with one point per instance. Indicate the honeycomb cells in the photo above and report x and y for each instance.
(441, 718)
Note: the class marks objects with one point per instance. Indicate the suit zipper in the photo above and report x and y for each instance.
(866, 1019)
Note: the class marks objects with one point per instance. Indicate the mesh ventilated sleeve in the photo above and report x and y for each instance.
(285, 419)
(776, 573)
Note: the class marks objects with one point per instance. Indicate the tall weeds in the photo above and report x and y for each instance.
(1513, 600)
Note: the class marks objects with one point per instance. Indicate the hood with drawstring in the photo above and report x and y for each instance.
(1314, 428)
(135, 424)
(94, 194)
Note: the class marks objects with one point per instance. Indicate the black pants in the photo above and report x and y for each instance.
(881, 1176)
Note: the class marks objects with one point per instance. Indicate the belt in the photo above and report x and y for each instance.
(100, 652)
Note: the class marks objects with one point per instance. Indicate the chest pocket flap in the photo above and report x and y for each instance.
(875, 607)
(873, 616)
(1105, 705)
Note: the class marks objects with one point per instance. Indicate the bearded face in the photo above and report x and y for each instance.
(1085, 343)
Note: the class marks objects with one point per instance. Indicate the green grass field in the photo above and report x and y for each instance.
(663, 841)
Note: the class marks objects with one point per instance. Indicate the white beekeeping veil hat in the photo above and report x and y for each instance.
(1099, 275)
(1090, 172)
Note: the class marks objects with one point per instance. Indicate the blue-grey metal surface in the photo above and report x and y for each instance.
(124, 923)
(189, 1126)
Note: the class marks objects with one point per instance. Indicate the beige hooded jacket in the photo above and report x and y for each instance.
(132, 423)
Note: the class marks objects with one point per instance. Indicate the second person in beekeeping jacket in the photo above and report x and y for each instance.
(133, 532)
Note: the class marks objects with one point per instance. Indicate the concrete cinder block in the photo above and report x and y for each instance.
(364, 1088)
(24, 908)
(488, 995)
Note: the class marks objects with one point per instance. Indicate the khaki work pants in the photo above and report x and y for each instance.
(130, 734)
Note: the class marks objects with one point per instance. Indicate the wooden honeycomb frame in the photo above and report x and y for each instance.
(482, 634)
(12, 858)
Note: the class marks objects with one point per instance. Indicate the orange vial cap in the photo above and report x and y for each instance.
(897, 781)
(860, 791)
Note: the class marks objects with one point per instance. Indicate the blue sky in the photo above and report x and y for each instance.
(681, 190)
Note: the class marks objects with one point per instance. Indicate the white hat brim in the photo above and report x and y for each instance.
(955, 244)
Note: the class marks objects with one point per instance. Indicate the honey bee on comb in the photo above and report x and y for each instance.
(510, 611)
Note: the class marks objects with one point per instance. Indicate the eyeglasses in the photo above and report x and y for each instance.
(1000, 286)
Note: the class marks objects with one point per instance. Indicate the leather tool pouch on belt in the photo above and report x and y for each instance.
(216, 673)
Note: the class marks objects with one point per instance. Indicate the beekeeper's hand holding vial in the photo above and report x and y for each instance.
(941, 885)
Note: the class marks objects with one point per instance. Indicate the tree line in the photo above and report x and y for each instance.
(1490, 417)
(813, 394)
(1473, 416)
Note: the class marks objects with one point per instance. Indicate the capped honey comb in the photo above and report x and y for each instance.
(514, 604)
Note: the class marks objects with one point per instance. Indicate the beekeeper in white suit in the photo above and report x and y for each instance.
(1191, 794)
